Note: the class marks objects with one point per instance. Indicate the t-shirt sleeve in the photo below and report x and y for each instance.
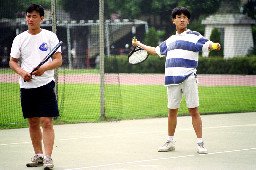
(161, 50)
(15, 50)
(55, 41)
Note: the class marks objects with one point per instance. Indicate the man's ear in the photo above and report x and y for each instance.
(42, 18)
(173, 21)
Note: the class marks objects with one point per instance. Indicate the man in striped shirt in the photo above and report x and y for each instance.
(181, 51)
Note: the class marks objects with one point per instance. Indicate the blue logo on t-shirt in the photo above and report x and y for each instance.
(43, 47)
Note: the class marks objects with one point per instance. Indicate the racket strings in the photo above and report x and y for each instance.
(138, 56)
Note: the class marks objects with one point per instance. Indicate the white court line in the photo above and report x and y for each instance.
(103, 136)
(158, 159)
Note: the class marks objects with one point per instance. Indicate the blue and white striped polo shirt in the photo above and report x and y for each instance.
(181, 51)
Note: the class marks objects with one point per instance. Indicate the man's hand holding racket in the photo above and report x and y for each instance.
(135, 42)
(28, 76)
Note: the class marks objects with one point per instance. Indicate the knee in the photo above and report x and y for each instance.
(47, 123)
(173, 112)
(194, 112)
(34, 123)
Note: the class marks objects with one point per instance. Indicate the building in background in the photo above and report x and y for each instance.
(235, 29)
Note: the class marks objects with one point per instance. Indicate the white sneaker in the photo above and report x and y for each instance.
(36, 161)
(48, 163)
(201, 149)
(168, 146)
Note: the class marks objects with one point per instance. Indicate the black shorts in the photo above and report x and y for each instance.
(39, 102)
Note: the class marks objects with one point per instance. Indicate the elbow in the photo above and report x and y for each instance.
(60, 63)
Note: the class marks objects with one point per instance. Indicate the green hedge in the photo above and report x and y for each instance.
(211, 65)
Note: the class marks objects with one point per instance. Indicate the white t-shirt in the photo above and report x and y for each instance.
(31, 50)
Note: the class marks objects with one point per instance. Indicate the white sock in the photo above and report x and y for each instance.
(199, 140)
(170, 138)
(40, 154)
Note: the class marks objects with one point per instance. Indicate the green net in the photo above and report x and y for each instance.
(227, 84)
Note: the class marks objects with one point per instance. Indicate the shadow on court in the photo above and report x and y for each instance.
(133, 144)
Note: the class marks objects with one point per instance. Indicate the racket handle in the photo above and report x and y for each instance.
(34, 70)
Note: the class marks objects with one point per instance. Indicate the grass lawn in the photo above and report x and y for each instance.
(81, 102)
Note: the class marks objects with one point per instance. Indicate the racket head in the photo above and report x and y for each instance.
(137, 55)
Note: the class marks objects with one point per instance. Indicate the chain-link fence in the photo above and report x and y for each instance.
(128, 91)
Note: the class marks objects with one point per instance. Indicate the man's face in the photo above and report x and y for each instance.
(34, 20)
(181, 21)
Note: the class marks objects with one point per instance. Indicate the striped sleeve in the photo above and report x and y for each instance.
(162, 49)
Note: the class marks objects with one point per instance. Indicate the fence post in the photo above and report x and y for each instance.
(54, 30)
(101, 40)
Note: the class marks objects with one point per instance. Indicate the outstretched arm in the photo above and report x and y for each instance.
(149, 49)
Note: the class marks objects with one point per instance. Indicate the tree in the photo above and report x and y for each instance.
(136, 8)
(16, 8)
(81, 9)
(250, 10)
(215, 37)
(153, 37)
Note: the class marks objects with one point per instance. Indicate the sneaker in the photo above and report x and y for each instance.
(168, 146)
(36, 161)
(201, 149)
(48, 163)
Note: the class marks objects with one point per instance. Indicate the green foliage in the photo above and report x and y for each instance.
(206, 65)
(253, 50)
(146, 100)
(200, 7)
(81, 10)
(136, 8)
(196, 25)
(152, 37)
(215, 37)
(13, 9)
(250, 9)
(236, 65)
(152, 65)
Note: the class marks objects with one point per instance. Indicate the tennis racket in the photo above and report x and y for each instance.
(137, 55)
(47, 57)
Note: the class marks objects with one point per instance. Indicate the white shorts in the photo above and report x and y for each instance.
(190, 90)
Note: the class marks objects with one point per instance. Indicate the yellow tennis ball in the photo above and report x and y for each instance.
(215, 46)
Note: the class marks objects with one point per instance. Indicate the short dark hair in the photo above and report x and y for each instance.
(35, 7)
(179, 11)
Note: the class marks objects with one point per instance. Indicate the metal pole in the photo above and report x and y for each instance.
(107, 38)
(69, 48)
(101, 40)
(54, 30)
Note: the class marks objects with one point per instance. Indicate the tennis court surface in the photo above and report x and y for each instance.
(133, 144)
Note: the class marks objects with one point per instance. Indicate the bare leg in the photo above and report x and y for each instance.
(48, 134)
(35, 134)
(172, 121)
(196, 121)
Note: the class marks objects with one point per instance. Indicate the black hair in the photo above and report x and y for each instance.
(179, 11)
(35, 7)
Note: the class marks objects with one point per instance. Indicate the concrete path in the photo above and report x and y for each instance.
(133, 144)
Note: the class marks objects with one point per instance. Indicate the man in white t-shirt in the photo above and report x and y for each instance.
(181, 51)
(38, 99)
